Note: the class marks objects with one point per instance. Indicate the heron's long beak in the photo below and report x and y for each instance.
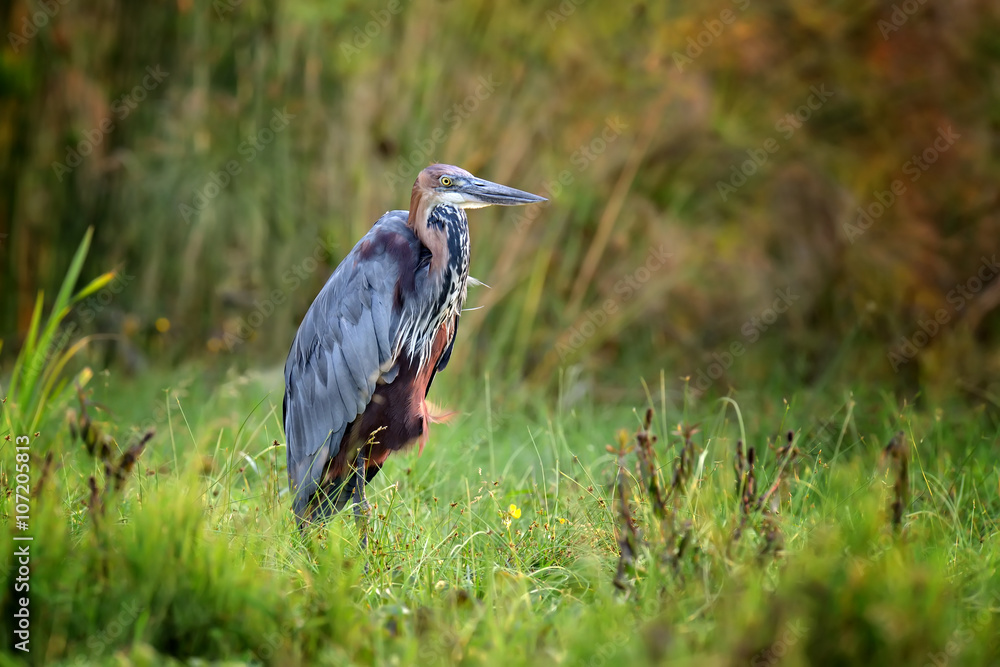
(486, 193)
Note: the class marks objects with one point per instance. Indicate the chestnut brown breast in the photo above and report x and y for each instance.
(397, 415)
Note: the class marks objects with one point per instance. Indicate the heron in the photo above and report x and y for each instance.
(384, 324)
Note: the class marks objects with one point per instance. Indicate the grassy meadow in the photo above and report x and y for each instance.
(763, 529)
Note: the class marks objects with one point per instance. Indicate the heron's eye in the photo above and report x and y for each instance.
(445, 181)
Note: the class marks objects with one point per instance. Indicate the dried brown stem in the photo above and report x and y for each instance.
(898, 452)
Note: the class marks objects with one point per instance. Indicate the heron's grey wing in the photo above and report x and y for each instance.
(344, 345)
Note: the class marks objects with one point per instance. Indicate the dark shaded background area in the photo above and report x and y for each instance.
(707, 166)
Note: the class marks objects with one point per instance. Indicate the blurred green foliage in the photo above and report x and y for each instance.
(230, 152)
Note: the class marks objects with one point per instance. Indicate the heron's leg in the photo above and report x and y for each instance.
(360, 499)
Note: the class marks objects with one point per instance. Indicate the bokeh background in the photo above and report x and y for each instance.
(705, 162)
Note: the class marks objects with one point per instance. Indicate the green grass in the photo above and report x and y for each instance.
(197, 556)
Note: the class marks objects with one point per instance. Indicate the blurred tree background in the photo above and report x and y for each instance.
(705, 162)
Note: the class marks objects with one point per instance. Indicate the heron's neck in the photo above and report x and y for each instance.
(444, 229)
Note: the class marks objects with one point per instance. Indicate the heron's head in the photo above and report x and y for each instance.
(445, 184)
